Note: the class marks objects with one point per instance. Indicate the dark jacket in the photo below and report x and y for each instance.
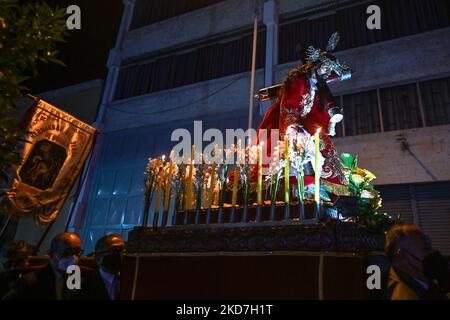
(37, 285)
(93, 287)
(8, 280)
(41, 285)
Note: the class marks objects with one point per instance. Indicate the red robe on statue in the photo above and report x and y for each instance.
(292, 108)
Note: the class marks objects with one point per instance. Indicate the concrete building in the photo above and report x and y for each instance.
(195, 65)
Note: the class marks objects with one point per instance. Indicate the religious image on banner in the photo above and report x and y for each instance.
(56, 147)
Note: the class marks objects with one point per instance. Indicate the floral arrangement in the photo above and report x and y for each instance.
(276, 170)
(152, 173)
(196, 186)
(208, 180)
(245, 158)
(301, 154)
(368, 199)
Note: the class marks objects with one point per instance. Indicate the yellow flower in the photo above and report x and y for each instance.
(366, 174)
(357, 179)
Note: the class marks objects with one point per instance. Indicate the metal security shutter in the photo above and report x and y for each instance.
(397, 200)
(429, 202)
(433, 206)
(116, 199)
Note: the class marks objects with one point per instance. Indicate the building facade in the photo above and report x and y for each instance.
(175, 62)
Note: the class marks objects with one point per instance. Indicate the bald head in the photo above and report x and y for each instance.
(107, 243)
(109, 252)
(65, 244)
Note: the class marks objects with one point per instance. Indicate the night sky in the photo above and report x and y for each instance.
(86, 51)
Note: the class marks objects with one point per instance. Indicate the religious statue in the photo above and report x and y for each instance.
(305, 104)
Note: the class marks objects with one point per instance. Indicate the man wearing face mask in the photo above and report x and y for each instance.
(418, 271)
(104, 284)
(49, 283)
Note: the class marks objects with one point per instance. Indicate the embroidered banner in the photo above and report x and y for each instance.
(56, 147)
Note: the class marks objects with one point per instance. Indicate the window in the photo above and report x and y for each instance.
(361, 113)
(399, 18)
(400, 107)
(205, 63)
(436, 101)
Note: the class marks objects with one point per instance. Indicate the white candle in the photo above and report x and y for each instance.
(317, 165)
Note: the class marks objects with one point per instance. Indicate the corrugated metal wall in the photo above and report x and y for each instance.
(424, 204)
(116, 198)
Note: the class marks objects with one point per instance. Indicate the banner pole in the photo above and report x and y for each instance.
(72, 209)
(5, 225)
(252, 79)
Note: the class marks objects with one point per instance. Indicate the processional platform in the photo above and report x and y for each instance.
(285, 259)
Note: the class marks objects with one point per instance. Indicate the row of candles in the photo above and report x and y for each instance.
(164, 181)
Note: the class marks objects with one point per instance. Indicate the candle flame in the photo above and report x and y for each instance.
(318, 130)
(163, 157)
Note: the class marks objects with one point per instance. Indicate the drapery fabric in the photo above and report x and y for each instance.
(56, 146)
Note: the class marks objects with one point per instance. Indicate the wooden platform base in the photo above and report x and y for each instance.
(249, 275)
(263, 261)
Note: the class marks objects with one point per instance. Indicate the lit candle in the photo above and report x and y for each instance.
(317, 169)
(286, 169)
(259, 189)
(190, 186)
(235, 186)
(216, 193)
(160, 183)
(204, 194)
(300, 178)
(213, 178)
(168, 183)
(236, 174)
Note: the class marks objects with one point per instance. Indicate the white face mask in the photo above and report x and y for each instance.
(64, 263)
